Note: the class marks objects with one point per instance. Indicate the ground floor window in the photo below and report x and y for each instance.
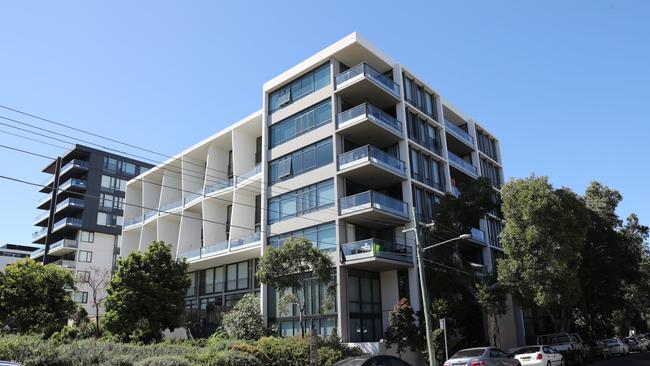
(364, 304)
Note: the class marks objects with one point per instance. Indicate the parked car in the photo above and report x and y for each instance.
(539, 356)
(482, 356)
(617, 347)
(568, 345)
(645, 340)
(634, 344)
(367, 360)
(8, 363)
(598, 350)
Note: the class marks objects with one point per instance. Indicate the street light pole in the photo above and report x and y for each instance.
(423, 288)
(419, 251)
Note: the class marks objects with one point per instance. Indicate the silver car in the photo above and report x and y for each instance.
(483, 356)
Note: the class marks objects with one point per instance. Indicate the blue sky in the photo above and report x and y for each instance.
(563, 84)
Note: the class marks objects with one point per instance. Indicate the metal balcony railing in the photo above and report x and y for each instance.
(377, 248)
(372, 154)
(246, 239)
(462, 164)
(371, 74)
(459, 132)
(372, 199)
(372, 113)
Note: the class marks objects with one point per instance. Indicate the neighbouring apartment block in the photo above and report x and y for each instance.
(345, 143)
(82, 215)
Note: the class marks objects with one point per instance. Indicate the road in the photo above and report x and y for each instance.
(635, 359)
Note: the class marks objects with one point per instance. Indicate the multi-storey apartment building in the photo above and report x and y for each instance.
(345, 143)
(82, 213)
(10, 253)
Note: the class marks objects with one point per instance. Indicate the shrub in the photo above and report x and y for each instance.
(28, 350)
(245, 321)
(212, 357)
(289, 351)
(164, 361)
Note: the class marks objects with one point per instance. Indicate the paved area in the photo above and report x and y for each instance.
(635, 359)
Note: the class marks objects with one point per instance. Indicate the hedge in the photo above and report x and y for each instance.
(267, 351)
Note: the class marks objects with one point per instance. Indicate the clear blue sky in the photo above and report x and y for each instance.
(565, 85)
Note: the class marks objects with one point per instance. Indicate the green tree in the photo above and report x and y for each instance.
(288, 268)
(245, 321)
(542, 239)
(35, 298)
(146, 295)
(492, 296)
(402, 330)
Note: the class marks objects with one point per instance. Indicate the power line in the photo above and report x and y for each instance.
(161, 185)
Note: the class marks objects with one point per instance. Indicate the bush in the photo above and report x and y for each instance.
(164, 361)
(245, 321)
(28, 350)
(213, 357)
(289, 351)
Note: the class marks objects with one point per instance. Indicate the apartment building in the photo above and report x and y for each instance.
(345, 143)
(81, 214)
(10, 253)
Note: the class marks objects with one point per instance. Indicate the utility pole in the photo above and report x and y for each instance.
(423, 289)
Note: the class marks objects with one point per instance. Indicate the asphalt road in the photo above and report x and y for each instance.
(635, 359)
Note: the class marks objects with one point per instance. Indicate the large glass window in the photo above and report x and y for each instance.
(426, 169)
(419, 98)
(425, 204)
(491, 172)
(113, 184)
(302, 201)
(364, 304)
(299, 88)
(422, 132)
(301, 161)
(300, 123)
(322, 236)
(487, 145)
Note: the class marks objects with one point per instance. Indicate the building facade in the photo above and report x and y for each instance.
(81, 216)
(10, 253)
(345, 144)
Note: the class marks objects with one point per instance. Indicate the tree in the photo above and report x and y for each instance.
(492, 296)
(245, 321)
(542, 240)
(35, 298)
(147, 294)
(289, 267)
(402, 330)
(96, 281)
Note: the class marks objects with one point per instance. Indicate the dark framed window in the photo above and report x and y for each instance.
(364, 305)
(322, 236)
(300, 123)
(302, 201)
(299, 88)
(301, 161)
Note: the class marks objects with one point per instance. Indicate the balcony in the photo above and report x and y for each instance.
(363, 83)
(462, 165)
(366, 123)
(68, 222)
(37, 253)
(219, 187)
(63, 246)
(377, 255)
(373, 208)
(65, 263)
(74, 165)
(73, 184)
(372, 167)
(459, 133)
(253, 238)
(41, 219)
(131, 221)
(70, 204)
(39, 235)
(248, 177)
(150, 214)
(171, 206)
(44, 202)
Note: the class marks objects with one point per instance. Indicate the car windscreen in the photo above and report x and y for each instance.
(469, 353)
(611, 341)
(560, 340)
(527, 350)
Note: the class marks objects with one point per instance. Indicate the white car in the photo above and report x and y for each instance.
(539, 356)
(617, 347)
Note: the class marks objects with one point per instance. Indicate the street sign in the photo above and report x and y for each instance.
(442, 323)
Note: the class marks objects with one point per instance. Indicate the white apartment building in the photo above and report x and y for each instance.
(345, 143)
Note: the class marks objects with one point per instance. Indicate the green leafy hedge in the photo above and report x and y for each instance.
(268, 351)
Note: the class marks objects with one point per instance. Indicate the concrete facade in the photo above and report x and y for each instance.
(345, 144)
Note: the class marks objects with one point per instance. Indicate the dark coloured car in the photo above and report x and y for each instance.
(598, 350)
(372, 361)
